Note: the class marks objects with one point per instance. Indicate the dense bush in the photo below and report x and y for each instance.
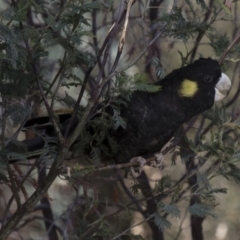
(68, 56)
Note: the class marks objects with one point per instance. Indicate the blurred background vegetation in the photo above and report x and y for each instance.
(74, 53)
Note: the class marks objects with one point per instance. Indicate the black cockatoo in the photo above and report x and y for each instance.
(153, 118)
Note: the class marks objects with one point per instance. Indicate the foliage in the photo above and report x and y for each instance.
(49, 48)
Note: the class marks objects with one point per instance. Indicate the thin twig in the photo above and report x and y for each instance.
(88, 73)
(123, 36)
(12, 198)
(234, 42)
(49, 110)
(14, 189)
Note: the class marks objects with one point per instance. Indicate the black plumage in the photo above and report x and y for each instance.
(153, 118)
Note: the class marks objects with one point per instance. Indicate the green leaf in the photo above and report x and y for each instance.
(90, 6)
(234, 172)
(140, 78)
(163, 183)
(118, 120)
(218, 190)
(224, 7)
(201, 210)
(170, 209)
(161, 222)
(150, 88)
(203, 180)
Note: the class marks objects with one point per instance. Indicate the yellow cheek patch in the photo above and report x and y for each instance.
(188, 88)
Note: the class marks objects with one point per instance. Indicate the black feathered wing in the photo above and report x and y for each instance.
(152, 120)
